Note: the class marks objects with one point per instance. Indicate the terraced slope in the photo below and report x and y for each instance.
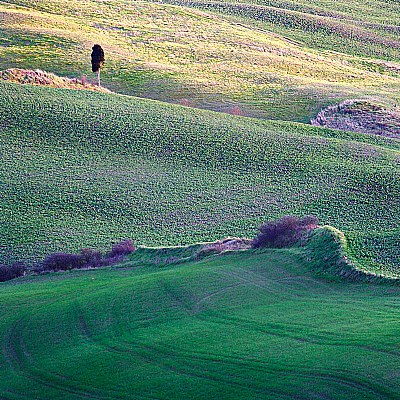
(81, 169)
(243, 325)
(281, 60)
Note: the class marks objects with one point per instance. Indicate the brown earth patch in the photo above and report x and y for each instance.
(360, 116)
(42, 78)
(225, 245)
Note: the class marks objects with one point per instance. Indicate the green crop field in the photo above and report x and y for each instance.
(244, 325)
(206, 134)
(280, 61)
(81, 169)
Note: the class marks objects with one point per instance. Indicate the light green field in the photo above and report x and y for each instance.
(286, 67)
(81, 169)
(244, 325)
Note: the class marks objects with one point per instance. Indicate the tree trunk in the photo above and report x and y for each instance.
(98, 77)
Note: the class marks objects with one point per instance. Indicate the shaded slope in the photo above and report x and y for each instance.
(243, 325)
(81, 169)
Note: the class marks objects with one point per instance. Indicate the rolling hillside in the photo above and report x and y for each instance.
(201, 132)
(279, 60)
(252, 324)
(82, 169)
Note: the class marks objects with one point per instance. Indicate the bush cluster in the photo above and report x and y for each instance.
(283, 232)
(8, 272)
(121, 249)
(87, 258)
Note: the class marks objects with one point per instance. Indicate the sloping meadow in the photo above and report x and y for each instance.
(244, 325)
(82, 169)
(285, 61)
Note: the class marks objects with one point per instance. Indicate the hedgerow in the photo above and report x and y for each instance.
(8, 272)
(59, 261)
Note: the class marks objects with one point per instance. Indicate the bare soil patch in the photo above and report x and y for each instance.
(42, 78)
(360, 116)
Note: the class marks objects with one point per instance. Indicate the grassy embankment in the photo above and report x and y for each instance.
(247, 324)
(270, 63)
(81, 169)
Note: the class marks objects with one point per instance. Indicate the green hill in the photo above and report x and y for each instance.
(81, 169)
(247, 324)
(280, 60)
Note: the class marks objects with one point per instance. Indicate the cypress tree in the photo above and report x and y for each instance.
(97, 60)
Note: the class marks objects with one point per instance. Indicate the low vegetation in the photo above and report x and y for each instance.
(42, 78)
(360, 116)
(155, 328)
(8, 272)
(86, 259)
(285, 231)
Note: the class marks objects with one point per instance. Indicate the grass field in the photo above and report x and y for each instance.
(249, 324)
(288, 66)
(81, 169)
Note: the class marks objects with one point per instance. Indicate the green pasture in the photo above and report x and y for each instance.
(81, 169)
(275, 60)
(366, 29)
(243, 325)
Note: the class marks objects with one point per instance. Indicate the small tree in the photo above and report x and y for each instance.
(97, 60)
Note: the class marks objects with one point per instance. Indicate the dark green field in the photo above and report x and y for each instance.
(244, 325)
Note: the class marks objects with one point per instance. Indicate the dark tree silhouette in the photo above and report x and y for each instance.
(97, 60)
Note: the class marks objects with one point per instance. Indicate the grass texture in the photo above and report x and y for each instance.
(82, 169)
(247, 324)
(281, 60)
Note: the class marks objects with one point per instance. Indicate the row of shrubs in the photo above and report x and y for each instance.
(283, 232)
(87, 258)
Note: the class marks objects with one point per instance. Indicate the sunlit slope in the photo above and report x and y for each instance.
(367, 29)
(206, 59)
(238, 326)
(80, 169)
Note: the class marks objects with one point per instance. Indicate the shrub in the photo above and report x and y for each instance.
(122, 248)
(87, 258)
(91, 258)
(8, 272)
(62, 262)
(309, 221)
(283, 232)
